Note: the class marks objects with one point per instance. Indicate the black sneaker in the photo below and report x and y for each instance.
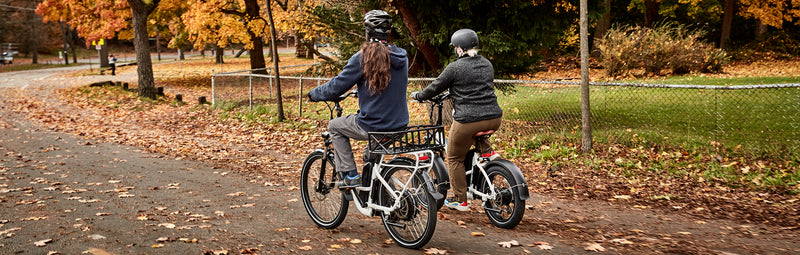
(350, 182)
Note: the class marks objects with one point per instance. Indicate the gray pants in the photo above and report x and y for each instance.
(342, 129)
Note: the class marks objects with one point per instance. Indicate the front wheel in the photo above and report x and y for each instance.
(413, 223)
(324, 202)
(507, 208)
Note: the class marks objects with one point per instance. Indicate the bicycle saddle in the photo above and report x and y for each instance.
(483, 133)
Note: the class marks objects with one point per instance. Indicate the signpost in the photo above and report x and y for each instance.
(99, 46)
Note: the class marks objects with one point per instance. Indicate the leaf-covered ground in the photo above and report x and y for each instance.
(276, 150)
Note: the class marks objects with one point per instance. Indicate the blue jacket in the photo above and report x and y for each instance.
(385, 111)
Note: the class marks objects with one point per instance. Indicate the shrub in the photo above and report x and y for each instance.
(666, 47)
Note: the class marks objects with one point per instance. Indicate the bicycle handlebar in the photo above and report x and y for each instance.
(439, 99)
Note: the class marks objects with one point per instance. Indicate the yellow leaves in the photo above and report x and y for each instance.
(477, 234)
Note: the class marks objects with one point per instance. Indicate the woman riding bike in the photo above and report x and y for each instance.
(380, 73)
(470, 81)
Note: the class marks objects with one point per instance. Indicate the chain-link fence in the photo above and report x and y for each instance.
(257, 86)
(762, 120)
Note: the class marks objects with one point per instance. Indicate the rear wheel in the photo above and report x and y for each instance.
(507, 208)
(413, 223)
(324, 202)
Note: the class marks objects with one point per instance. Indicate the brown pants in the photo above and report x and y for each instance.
(458, 143)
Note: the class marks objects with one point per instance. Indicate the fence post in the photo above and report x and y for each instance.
(269, 72)
(212, 87)
(251, 90)
(300, 99)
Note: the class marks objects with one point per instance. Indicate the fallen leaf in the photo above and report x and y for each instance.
(624, 197)
(9, 231)
(594, 247)
(304, 248)
(96, 237)
(158, 245)
(509, 244)
(434, 250)
(167, 225)
(477, 234)
(356, 241)
(95, 251)
(621, 241)
(42, 243)
(142, 217)
(187, 240)
(336, 246)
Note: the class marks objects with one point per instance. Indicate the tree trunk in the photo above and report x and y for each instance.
(275, 70)
(604, 23)
(315, 52)
(239, 53)
(650, 12)
(64, 41)
(158, 44)
(257, 54)
(761, 29)
(411, 23)
(34, 36)
(218, 53)
(586, 115)
(103, 55)
(144, 65)
(727, 20)
(71, 42)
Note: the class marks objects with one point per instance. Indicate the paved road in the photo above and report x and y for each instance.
(63, 193)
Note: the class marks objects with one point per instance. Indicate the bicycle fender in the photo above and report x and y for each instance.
(441, 171)
(429, 185)
(522, 185)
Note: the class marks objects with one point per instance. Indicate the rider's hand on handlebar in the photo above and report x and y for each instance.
(414, 96)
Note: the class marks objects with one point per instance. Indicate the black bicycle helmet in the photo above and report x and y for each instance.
(378, 24)
(465, 38)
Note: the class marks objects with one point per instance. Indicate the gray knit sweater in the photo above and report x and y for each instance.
(470, 82)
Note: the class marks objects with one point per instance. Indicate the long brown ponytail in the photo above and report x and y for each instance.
(376, 62)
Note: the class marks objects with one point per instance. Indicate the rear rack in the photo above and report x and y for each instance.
(414, 138)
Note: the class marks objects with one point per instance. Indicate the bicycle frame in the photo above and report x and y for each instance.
(437, 103)
(376, 178)
(370, 206)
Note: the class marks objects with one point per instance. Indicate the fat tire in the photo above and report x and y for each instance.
(421, 209)
(308, 190)
(514, 203)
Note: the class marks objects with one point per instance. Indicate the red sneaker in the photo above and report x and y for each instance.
(461, 206)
